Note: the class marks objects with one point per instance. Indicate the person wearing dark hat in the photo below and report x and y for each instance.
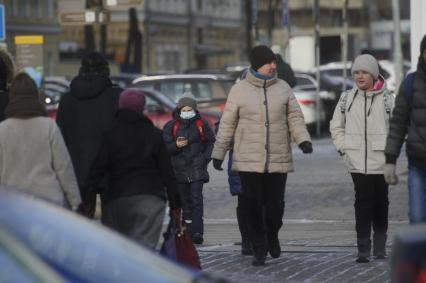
(189, 141)
(84, 113)
(260, 115)
(141, 178)
(33, 155)
(409, 120)
(358, 129)
(7, 72)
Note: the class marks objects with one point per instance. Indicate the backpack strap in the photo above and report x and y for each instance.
(198, 124)
(408, 87)
(387, 101)
(175, 128)
(342, 102)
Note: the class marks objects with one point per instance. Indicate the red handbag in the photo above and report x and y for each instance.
(178, 244)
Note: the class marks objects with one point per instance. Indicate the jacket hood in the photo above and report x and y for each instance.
(7, 69)
(252, 79)
(89, 86)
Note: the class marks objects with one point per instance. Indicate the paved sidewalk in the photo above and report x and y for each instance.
(317, 251)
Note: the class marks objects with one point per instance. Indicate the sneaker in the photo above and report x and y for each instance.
(197, 238)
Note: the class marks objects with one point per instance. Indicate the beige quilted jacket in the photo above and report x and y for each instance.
(263, 116)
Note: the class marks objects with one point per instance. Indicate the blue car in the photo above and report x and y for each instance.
(82, 251)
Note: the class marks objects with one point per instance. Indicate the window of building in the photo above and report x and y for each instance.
(24, 8)
(12, 7)
(50, 8)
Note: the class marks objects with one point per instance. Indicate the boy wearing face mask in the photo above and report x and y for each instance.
(189, 141)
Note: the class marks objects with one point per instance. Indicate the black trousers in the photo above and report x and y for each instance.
(192, 205)
(371, 204)
(263, 202)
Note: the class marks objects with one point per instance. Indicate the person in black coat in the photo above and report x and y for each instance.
(190, 140)
(84, 114)
(7, 73)
(140, 175)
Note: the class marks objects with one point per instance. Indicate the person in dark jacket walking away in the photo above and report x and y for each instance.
(190, 140)
(135, 159)
(409, 119)
(236, 189)
(84, 114)
(358, 129)
(262, 116)
(7, 72)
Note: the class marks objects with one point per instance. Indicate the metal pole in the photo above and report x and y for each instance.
(317, 63)
(147, 36)
(345, 43)
(286, 24)
(397, 52)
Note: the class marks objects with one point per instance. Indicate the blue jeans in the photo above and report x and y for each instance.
(417, 194)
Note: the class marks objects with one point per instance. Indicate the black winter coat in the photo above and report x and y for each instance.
(190, 163)
(4, 101)
(135, 159)
(411, 121)
(83, 115)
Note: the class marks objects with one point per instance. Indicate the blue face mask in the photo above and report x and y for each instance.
(187, 115)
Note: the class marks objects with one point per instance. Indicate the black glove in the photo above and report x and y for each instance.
(306, 147)
(217, 164)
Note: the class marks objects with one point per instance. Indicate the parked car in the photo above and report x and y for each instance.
(306, 95)
(51, 90)
(210, 91)
(331, 85)
(159, 108)
(82, 251)
(388, 72)
(408, 261)
(124, 80)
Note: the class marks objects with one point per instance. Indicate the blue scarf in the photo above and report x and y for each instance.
(260, 76)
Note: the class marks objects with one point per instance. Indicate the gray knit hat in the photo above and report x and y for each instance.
(367, 63)
(187, 100)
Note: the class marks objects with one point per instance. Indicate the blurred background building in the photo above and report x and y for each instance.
(177, 35)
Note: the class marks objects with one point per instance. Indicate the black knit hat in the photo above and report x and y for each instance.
(261, 55)
(94, 63)
(423, 44)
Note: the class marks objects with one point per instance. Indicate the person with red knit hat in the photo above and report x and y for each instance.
(141, 178)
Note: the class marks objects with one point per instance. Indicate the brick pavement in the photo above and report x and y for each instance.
(313, 251)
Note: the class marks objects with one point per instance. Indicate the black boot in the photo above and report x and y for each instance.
(246, 247)
(274, 245)
(364, 247)
(379, 245)
(260, 250)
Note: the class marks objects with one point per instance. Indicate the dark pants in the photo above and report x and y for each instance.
(264, 203)
(371, 204)
(192, 205)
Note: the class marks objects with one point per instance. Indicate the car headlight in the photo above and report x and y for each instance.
(48, 100)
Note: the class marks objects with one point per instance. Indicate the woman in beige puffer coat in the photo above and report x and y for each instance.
(262, 115)
(359, 129)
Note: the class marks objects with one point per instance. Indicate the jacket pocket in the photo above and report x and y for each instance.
(378, 145)
(352, 142)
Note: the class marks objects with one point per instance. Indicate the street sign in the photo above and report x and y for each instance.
(77, 18)
(29, 55)
(123, 3)
(2, 24)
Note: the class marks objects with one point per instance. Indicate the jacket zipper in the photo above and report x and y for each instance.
(267, 128)
(365, 131)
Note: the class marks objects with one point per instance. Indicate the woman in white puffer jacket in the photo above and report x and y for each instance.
(359, 129)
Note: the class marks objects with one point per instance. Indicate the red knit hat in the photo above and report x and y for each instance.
(132, 99)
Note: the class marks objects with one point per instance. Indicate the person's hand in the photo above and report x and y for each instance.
(306, 147)
(175, 214)
(390, 174)
(217, 164)
(181, 142)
